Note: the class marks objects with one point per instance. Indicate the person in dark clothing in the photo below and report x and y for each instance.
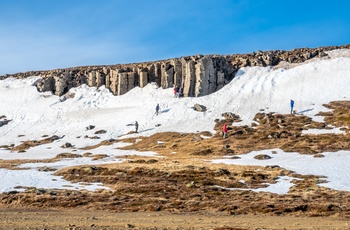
(157, 109)
(181, 92)
(291, 106)
(136, 126)
(177, 91)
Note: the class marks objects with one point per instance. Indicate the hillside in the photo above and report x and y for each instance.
(80, 151)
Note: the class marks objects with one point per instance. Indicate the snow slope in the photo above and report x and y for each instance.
(35, 114)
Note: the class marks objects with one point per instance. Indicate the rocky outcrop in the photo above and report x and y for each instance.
(198, 75)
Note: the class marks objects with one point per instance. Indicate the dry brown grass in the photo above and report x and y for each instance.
(32, 143)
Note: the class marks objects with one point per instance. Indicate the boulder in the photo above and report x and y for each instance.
(199, 108)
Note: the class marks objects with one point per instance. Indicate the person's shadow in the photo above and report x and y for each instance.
(145, 130)
(304, 111)
(164, 111)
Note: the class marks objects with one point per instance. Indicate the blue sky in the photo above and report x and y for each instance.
(49, 34)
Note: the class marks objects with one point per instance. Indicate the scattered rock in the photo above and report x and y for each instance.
(67, 96)
(273, 166)
(46, 169)
(129, 226)
(67, 145)
(262, 157)
(87, 154)
(90, 127)
(235, 157)
(230, 116)
(199, 108)
(68, 155)
(100, 132)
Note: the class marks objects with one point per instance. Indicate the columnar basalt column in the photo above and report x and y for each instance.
(205, 76)
(177, 68)
(122, 83)
(131, 80)
(113, 77)
(189, 82)
(92, 78)
(100, 79)
(143, 79)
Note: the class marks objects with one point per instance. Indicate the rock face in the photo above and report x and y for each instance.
(198, 75)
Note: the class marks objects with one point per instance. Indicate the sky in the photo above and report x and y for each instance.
(50, 34)
(34, 115)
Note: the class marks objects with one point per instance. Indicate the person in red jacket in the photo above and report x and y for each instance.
(224, 130)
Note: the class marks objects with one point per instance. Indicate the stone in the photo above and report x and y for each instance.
(199, 108)
(262, 157)
(90, 127)
(67, 145)
(101, 131)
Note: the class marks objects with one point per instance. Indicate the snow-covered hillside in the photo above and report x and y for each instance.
(34, 115)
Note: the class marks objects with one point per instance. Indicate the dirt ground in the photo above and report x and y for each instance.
(82, 219)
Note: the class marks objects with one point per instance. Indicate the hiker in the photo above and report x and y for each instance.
(136, 126)
(157, 109)
(291, 106)
(224, 130)
(181, 92)
(175, 91)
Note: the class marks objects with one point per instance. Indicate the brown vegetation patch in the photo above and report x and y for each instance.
(7, 147)
(13, 164)
(87, 154)
(142, 161)
(99, 156)
(270, 131)
(32, 143)
(340, 115)
(68, 155)
(262, 157)
(102, 143)
(185, 188)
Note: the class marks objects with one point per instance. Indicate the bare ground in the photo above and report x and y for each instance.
(82, 219)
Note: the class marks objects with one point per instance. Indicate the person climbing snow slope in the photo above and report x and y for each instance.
(224, 131)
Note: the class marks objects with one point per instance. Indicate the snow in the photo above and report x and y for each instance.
(323, 131)
(34, 178)
(333, 165)
(37, 115)
(281, 187)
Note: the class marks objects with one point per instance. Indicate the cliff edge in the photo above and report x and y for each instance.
(199, 75)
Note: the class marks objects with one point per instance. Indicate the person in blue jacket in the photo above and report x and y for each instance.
(291, 106)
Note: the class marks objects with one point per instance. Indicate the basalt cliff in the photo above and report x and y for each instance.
(199, 75)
